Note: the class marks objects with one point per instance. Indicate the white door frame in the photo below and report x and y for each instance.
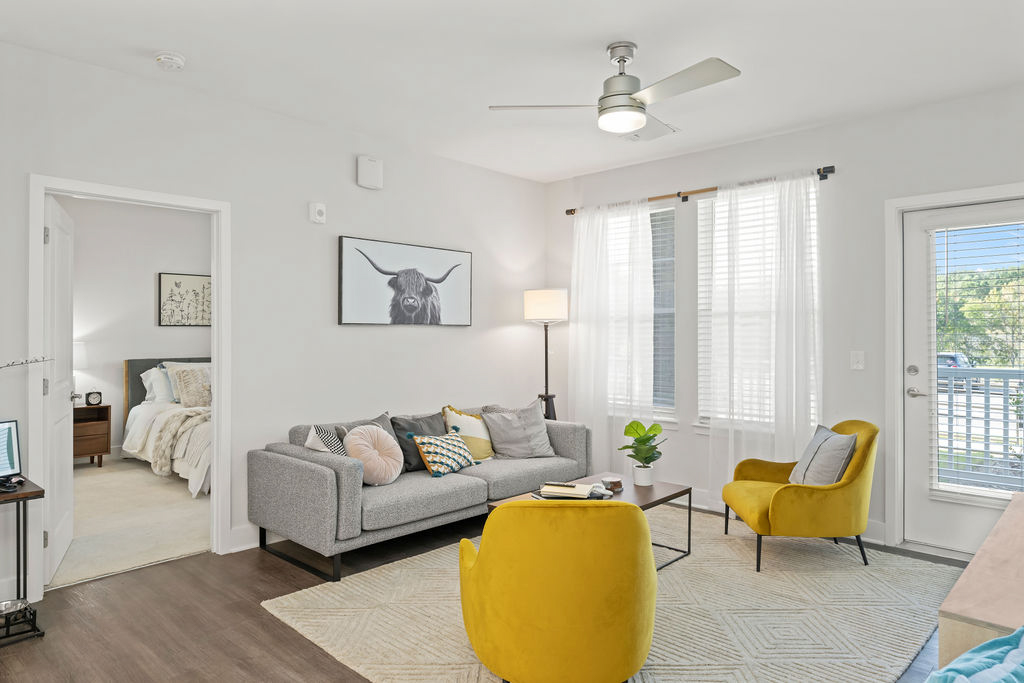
(894, 432)
(220, 331)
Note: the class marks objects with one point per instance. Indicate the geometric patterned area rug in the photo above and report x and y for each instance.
(813, 613)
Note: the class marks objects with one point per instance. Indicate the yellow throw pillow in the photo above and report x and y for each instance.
(472, 430)
(443, 454)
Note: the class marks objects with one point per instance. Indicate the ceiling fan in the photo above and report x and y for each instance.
(622, 109)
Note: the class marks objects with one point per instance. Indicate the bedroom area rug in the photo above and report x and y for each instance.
(815, 612)
(127, 517)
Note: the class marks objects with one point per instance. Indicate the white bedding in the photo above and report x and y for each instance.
(191, 457)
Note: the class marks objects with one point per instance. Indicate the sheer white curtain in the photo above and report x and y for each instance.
(762, 327)
(611, 324)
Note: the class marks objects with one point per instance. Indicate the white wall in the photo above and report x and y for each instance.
(291, 362)
(970, 142)
(119, 249)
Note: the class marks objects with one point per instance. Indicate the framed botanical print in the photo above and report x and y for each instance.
(184, 300)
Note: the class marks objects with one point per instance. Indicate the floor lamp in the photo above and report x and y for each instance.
(546, 307)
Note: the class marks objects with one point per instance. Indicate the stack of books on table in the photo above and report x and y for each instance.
(559, 490)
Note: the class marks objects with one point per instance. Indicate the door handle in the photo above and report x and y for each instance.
(75, 397)
(912, 392)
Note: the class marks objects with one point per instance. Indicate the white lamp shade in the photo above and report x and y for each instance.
(80, 357)
(546, 305)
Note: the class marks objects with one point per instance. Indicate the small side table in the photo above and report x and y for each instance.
(18, 617)
(92, 432)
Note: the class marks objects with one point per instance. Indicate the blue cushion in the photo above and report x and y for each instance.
(1001, 659)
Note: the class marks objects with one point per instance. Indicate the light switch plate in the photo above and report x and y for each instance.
(856, 360)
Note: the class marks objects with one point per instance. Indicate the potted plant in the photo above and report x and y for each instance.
(643, 450)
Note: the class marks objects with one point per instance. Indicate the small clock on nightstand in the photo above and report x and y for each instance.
(93, 398)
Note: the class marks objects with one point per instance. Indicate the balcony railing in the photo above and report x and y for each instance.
(978, 435)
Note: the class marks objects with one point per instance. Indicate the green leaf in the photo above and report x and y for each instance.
(654, 429)
(635, 429)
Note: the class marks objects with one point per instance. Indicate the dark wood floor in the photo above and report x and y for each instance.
(199, 619)
(194, 619)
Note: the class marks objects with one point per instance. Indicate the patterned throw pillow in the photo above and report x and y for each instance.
(324, 439)
(472, 430)
(193, 385)
(443, 454)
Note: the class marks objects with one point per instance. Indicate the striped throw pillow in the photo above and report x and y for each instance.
(324, 439)
(443, 454)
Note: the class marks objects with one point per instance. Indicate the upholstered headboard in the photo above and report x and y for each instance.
(134, 389)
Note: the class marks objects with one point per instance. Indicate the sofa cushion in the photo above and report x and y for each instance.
(472, 430)
(420, 425)
(297, 435)
(417, 495)
(518, 433)
(507, 478)
(444, 454)
(378, 451)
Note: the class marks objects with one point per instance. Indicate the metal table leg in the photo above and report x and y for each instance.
(689, 531)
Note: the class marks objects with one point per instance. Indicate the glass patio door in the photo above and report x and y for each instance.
(963, 370)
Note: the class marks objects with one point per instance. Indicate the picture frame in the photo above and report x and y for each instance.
(184, 300)
(396, 283)
(10, 449)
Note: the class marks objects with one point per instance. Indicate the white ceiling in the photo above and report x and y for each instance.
(424, 72)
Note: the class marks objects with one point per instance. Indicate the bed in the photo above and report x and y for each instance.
(174, 439)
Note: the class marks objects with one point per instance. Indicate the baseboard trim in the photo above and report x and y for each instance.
(242, 537)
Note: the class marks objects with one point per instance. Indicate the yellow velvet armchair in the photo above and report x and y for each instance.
(560, 591)
(761, 495)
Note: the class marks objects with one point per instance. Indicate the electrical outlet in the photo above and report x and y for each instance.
(856, 360)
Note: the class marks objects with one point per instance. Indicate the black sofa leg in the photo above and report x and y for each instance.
(759, 552)
(726, 520)
(335, 574)
(863, 555)
(835, 540)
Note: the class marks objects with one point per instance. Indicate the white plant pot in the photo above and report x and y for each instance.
(643, 476)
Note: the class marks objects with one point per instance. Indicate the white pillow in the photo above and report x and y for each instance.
(168, 366)
(158, 386)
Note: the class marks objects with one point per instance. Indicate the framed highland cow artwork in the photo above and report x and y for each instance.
(390, 283)
(184, 300)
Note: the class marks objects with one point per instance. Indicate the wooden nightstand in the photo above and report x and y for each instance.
(92, 432)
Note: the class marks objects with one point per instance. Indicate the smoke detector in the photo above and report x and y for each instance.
(170, 61)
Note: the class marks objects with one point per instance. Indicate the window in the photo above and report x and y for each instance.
(737, 287)
(663, 257)
(663, 249)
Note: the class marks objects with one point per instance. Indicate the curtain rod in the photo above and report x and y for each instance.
(823, 173)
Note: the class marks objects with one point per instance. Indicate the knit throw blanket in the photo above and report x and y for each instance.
(174, 427)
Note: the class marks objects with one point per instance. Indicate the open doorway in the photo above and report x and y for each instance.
(59, 412)
(141, 360)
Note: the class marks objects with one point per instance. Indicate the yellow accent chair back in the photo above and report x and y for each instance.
(560, 591)
(761, 495)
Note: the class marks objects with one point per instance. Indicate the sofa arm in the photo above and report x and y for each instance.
(753, 469)
(572, 440)
(294, 498)
(349, 477)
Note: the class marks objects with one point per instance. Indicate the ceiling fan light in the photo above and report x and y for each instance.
(622, 120)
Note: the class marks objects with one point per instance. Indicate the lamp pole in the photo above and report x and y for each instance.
(548, 398)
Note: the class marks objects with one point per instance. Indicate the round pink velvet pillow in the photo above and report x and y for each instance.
(379, 452)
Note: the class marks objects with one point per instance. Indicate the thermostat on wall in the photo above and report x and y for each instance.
(370, 173)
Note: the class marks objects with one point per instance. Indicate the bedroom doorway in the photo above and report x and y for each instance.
(118, 495)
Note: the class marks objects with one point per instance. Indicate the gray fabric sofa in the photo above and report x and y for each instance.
(318, 500)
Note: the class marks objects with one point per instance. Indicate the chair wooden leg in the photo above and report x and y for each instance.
(863, 555)
(759, 552)
(726, 520)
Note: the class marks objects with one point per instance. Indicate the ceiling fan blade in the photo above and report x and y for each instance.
(654, 129)
(527, 107)
(711, 70)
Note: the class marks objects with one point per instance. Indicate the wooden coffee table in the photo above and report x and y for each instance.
(644, 497)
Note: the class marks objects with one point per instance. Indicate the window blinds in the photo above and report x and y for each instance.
(737, 285)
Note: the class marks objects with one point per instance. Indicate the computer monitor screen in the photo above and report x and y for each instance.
(10, 453)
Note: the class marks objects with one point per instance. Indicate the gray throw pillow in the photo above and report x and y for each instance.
(518, 433)
(825, 459)
(383, 421)
(424, 425)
